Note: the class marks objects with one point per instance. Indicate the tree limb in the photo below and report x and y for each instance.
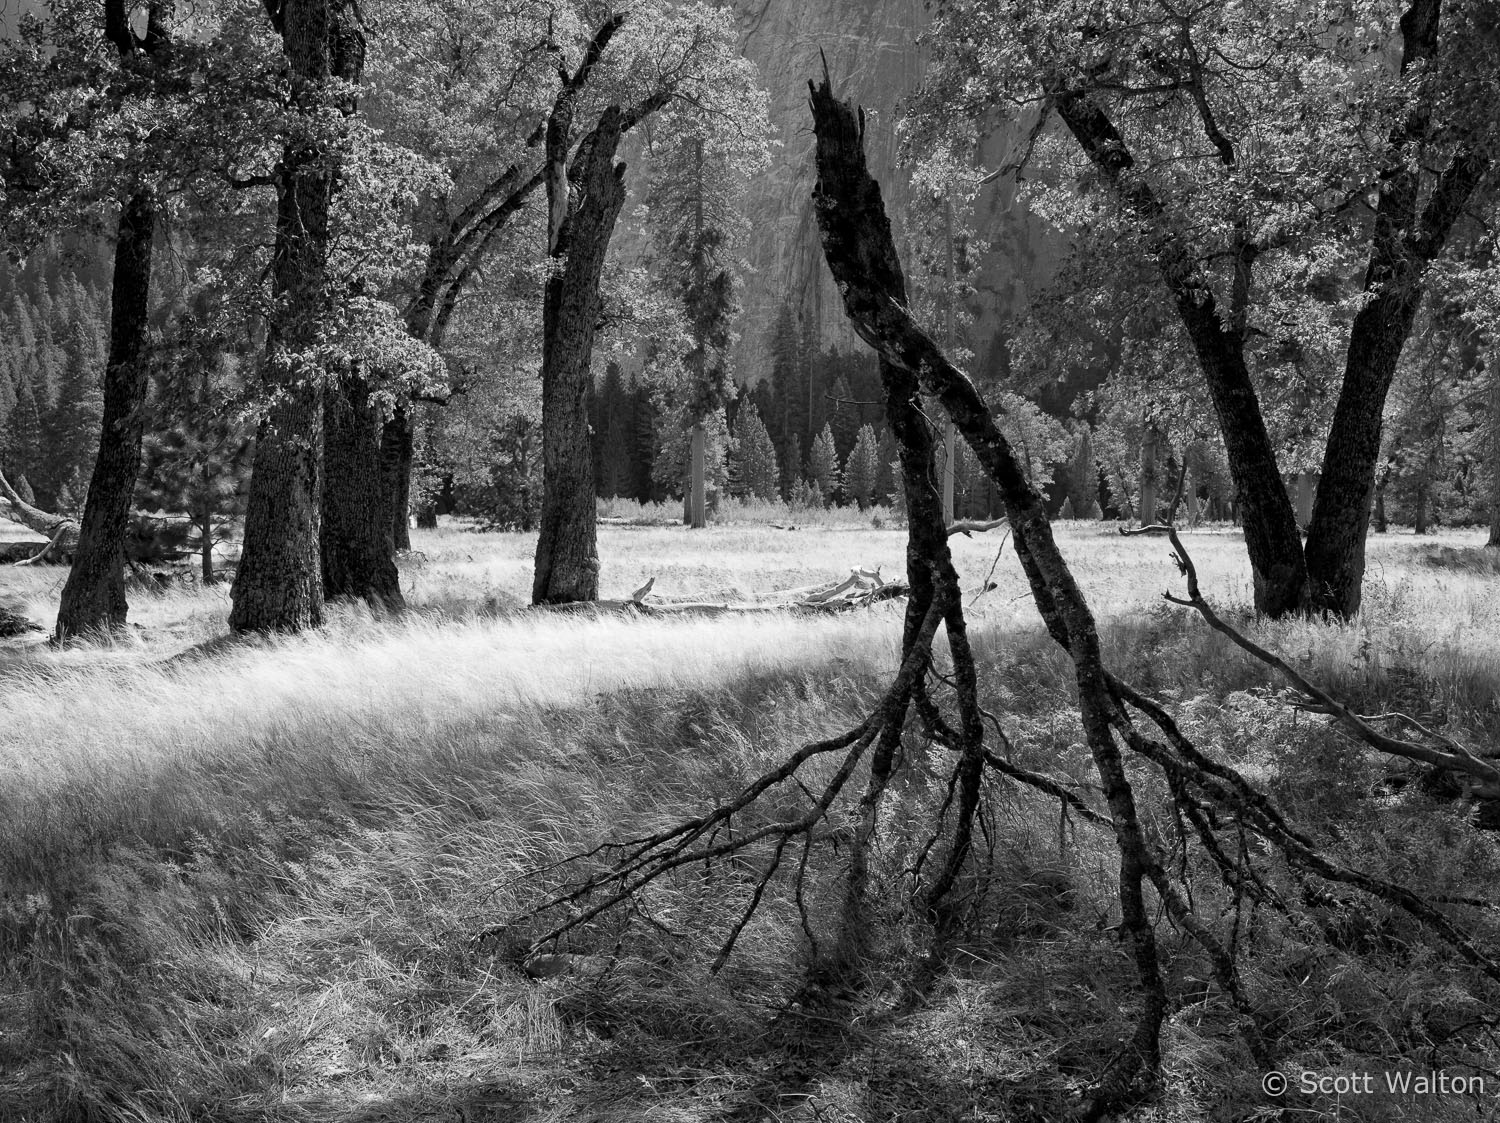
(1485, 777)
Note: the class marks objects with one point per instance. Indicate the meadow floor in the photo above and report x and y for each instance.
(247, 882)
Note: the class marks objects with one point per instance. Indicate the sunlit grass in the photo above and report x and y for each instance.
(240, 884)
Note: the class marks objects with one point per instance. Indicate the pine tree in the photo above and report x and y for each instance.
(611, 422)
(862, 468)
(70, 431)
(791, 466)
(643, 422)
(196, 451)
(823, 465)
(759, 475)
(694, 189)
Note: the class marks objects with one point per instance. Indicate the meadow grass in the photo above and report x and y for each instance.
(244, 884)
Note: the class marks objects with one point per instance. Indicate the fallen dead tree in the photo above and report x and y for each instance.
(1216, 808)
(151, 537)
(862, 588)
(60, 531)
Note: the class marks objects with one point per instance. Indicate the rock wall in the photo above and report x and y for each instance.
(873, 56)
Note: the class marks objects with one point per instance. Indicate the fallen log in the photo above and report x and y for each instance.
(862, 588)
(60, 531)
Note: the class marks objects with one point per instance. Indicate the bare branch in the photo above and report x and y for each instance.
(1485, 777)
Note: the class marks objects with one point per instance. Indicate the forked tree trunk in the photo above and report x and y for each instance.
(1278, 569)
(357, 543)
(93, 599)
(567, 556)
(1328, 573)
(279, 583)
(1408, 235)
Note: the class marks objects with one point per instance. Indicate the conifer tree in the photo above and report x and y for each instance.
(70, 431)
(862, 468)
(791, 466)
(1083, 477)
(759, 475)
(696, 184)
(823, 465)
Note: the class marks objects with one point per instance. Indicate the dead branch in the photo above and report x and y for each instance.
(1484, 777)
(861, 253)
(1154, 528)
(60, 531)
(971, 527)
(49, 547)
(862, 588)
(644, 860)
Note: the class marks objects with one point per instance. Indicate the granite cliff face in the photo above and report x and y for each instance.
(874, 58)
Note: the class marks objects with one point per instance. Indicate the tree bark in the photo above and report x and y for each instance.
(93, 599)
(567, 556)
(1494, 447)
(356, 539)
(697, 478)
(395, 472)
(279, 583)
(1149, 477)
(33, 518)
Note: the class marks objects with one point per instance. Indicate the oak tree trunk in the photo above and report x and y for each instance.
(1408, 235)
(395, 472)
(567, 556)
(1278, 569)
(1150, 479)
(93, 600)
(279, 583)
(356, 539)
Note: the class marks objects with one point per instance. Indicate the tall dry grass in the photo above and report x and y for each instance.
(240, 885)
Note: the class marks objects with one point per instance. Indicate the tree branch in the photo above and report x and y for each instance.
(1485, 776)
